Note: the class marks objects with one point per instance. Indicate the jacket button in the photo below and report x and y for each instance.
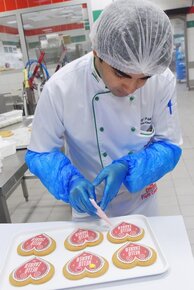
(101, 129)
(96, 98)
(131, 98)
(133, 129)
(104, 154)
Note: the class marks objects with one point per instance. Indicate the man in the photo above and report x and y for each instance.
(115, 108)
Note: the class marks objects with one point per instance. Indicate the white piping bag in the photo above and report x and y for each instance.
(100, 212)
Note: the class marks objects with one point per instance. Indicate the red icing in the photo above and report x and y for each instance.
(125, 229)
(131, 252)
(81, 236)
(35, 268)
(39, 242)
(85, 262)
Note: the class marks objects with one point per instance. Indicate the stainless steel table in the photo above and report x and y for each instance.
(14, 168)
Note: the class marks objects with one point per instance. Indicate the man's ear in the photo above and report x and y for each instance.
(94, 52)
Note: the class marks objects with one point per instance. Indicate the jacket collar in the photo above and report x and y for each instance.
(96, 77)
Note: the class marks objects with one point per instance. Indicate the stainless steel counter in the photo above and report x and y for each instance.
(14, 168)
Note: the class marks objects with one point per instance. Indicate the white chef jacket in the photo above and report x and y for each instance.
(97, 127)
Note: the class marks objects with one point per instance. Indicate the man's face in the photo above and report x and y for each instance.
(119, 83)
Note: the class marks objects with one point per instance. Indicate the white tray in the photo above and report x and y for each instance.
(61, 255)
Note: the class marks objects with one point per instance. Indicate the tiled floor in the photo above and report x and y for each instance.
(176, 190)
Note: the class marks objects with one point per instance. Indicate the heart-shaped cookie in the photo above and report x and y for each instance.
(82, 238)
(132, 254)
(34, 271)
(85, 264)
(124, 232)
(39, 245)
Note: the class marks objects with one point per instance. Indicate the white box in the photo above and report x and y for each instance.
(7, 148)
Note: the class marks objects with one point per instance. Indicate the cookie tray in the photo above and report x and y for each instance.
(61, 255)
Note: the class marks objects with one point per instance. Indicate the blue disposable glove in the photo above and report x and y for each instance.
(113, 175)
(150, 164)
(80, 192)
(62, 179)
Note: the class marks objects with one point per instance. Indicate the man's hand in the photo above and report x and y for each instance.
(113, 175)
(80, 192)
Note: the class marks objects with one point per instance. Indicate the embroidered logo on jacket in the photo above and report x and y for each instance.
(149, 191)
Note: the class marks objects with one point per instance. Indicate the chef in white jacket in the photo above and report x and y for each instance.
(116, 110)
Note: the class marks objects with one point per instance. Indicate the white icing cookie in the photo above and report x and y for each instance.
(124, 232)
(131, 255)
(85, 264)
(34, 271)
(82, 238)
(39, 245)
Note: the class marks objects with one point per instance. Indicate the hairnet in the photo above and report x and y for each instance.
(133, 36)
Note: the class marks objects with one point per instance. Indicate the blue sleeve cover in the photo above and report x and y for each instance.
(54, 170)
(150, 164)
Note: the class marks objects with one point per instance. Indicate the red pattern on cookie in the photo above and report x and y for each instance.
(125, 229)
(81, 237)
(85, 262)
(130, 252)
(124, 232)
(31, 271)
(39, 243)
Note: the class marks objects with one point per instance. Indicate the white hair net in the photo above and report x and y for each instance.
(133, 36)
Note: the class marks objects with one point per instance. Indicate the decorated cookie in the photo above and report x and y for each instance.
(6, 133)
(124, 232)
(39, 245)
(34, 271)
(132, 254)
(82, 238)
(85, 264)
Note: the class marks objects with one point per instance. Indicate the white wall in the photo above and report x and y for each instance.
(190, 54)
(172, 4)
(12, 82)
(164, 4)
(99, 4)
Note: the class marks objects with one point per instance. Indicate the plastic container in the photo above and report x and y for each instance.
(10, 118)
(7, 148)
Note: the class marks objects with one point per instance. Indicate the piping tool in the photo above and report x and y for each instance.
(100, 212)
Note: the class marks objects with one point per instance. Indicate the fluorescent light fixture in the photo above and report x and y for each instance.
(11, 22)
(26, 26)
